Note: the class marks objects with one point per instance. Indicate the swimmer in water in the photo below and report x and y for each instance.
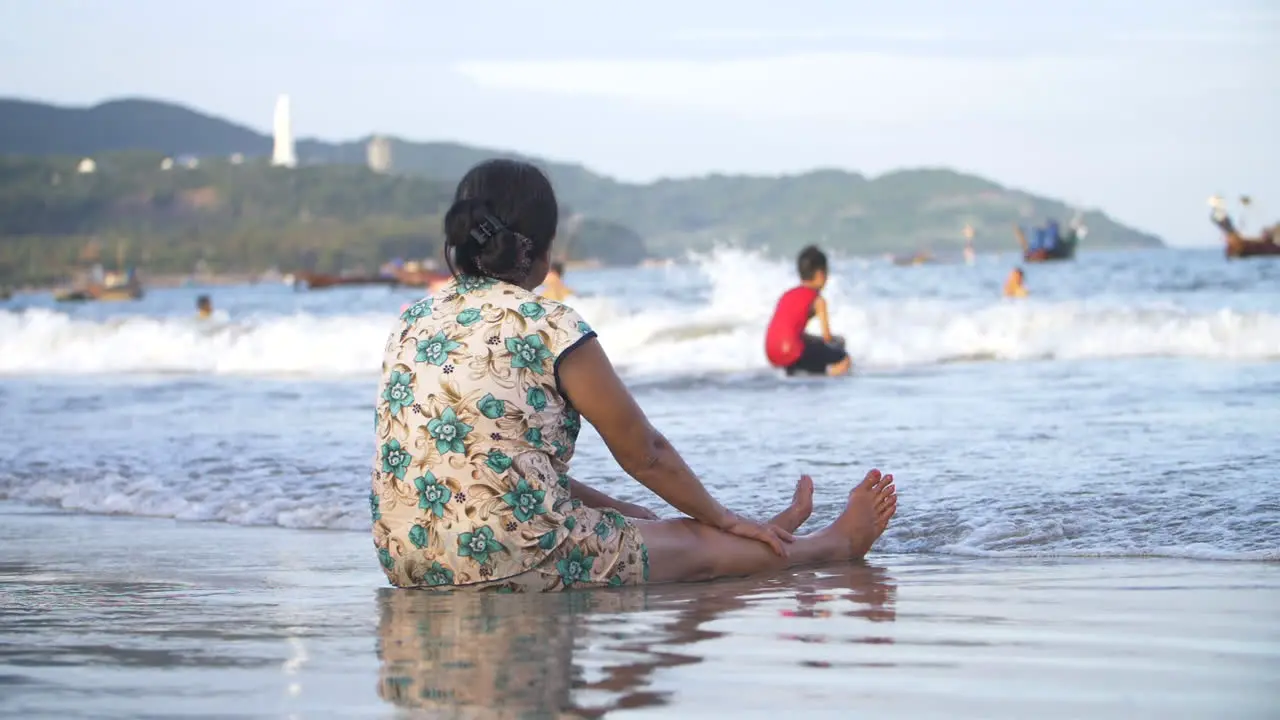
(1013, 286)
(786, 343)
(553, 288)
(204, 307)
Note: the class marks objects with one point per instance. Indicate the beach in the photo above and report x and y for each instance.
(1088, 504)
(168, 618)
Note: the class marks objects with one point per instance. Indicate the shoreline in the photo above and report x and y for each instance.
(1200, 555)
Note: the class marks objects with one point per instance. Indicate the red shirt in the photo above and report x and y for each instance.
(782, 342)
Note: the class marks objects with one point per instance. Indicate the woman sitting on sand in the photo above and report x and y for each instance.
(484, 388)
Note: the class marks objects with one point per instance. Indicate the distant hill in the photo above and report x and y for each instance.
(32, 128)
(902, 211)
(233, 217)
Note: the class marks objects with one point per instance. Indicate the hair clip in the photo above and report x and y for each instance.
(487, 229)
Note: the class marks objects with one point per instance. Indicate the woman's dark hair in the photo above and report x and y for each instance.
(503, 218)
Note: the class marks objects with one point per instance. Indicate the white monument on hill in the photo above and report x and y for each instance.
(378, 154)
(282, 128)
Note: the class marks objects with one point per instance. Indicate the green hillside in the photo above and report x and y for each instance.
(232, 217)
(899, 212)
(332, 212)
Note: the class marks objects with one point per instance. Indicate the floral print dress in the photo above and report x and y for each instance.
(470, 482)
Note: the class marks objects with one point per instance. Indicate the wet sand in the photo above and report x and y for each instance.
(137, 617)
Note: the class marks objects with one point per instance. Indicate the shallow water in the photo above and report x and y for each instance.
(172, 619)
(1089, 504)
(1128, 408)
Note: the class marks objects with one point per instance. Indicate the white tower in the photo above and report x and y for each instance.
(282, 154)
(378, 154)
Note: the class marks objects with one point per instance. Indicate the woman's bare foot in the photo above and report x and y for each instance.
(800, 509)
(871, 505)
(886, 504)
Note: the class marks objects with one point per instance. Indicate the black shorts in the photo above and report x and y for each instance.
(816, 357)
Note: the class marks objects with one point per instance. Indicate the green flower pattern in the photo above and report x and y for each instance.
(420, 309)
(498, 461)
(398, 391)
(525, 501)
(468, 317)
(432, 494)
(576, 568)
(478, 544)
(572, 422)
(532, 310)
(528, 353)
(462, 382)
(536, 398)
(610, 521)
(395, 459)
(469, 284)
(449, 432)
(491, 407)
(437, 575)
(435, 349)
(603, 528)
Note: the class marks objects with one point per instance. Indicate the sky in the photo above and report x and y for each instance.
(1140, 108)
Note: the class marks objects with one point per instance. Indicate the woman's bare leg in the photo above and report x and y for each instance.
(685, 550)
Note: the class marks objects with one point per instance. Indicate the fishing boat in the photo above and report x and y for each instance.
(114, 287)
(1267, 243)
(320, 281)
(1048, 243)
(103, 286)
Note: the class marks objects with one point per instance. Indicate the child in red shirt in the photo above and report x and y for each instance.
(786, 343)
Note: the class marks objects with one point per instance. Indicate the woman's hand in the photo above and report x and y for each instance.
(770, 535)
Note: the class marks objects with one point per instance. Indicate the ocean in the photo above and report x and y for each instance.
(1121, 422)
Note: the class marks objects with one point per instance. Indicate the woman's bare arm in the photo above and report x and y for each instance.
(588, 380)
(597, 499)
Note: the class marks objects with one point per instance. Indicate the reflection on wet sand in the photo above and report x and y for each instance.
(582, 654)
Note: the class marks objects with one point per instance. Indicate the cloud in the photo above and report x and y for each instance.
(986, 40)
(871, 88)
(757, 34)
